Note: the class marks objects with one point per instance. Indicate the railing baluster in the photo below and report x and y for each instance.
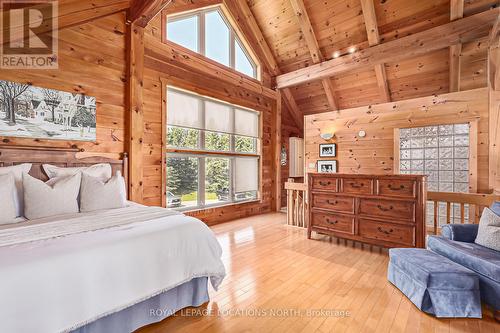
(436, 217)
(448, 212)
(462, 213)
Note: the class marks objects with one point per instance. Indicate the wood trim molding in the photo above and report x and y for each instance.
(135, 47)
(459, 31)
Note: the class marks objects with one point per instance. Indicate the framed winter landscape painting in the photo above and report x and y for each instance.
(41, 113)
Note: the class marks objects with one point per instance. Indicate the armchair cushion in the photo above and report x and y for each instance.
(460, 232)
(495, 208)
(475, 257)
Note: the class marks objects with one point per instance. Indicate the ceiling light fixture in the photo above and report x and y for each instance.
(336, 54)
(352, 49)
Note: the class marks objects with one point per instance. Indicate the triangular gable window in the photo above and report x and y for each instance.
(209, 33)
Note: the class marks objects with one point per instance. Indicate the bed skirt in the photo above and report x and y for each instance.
(155, 309)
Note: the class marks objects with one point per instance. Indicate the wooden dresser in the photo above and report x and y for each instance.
(387, 211)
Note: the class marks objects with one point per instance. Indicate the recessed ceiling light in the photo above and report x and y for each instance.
(352, 49)
(336, 54)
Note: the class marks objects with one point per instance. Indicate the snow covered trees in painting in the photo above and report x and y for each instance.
(33, 112)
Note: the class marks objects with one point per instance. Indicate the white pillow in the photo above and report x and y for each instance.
(17, 171)
(488, 234)
(96, 194)
(101, 171)
(43, 200)
(8, 195)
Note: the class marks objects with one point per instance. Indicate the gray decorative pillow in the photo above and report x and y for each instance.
(488, 234)
(8, 195)
(44, 200)
(96, 194)
(17, 171)
(101, 171)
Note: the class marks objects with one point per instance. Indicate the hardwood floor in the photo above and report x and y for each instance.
(273, 269)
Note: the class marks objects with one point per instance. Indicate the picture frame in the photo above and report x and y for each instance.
(327, 166)
(33, 112)
(328, 150)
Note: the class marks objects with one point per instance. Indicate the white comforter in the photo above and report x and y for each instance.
(59, 274)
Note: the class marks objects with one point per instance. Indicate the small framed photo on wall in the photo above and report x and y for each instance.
(328, 150)
(327, 166)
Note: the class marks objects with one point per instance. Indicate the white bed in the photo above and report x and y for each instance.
(60, 273)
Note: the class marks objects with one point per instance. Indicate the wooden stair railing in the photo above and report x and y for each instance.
(296, 204)
(476, 203)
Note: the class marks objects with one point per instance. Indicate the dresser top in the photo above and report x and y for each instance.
(359, 175)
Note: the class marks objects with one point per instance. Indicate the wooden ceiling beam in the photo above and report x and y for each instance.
(456, 12)
(313, 46)
(143, 11)
(249, 21)
(459, 31)
(374, 39)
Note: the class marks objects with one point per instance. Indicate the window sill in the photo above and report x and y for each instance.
(234, 203)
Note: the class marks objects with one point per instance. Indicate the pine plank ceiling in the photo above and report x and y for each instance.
(339, 25)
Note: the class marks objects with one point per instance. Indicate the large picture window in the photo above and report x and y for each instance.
(213, 152)
(209, 33)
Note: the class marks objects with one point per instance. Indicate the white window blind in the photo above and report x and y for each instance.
(183, 110)
(218, 117)
(246, 123)
(246, 174)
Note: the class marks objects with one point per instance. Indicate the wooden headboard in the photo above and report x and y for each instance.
(62, 157)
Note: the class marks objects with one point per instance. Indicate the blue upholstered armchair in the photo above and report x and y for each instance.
(457, 243)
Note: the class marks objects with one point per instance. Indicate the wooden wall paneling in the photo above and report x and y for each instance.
(456, 12)
(494, 109)
(376, 152)
(463, 30)
(71, 13)
(83, 69)
(136, 111)
(374, 39)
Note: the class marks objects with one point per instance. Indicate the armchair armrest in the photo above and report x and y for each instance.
(460, 232)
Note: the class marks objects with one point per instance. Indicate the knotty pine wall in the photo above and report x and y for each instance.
(92, 60)
(375, 153)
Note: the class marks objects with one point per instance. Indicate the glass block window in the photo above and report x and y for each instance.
(442, 153)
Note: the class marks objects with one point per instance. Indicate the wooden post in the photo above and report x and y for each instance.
(494, 110)
(277, 153)
(135, 44)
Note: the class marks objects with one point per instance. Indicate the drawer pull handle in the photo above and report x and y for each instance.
(402, 187)
(332, 202)
(331, 222)
(384, 209)
(357, 185)
(385, 231)
(324, 183)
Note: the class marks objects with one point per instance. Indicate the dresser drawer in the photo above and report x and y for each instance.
(333, 222)
(357, 185)
(399, 234)
(397, 188)
(325, 183)
(400, 210)
(334, 202)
